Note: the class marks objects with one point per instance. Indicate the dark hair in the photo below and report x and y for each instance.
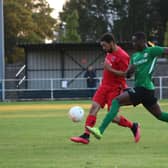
(140, 35)
(107, 37)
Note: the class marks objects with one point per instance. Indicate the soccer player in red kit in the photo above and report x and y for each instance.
(111, 86)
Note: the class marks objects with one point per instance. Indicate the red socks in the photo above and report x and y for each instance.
(125, 122)
(90, 121)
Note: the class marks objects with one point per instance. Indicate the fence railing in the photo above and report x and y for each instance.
(65, 88)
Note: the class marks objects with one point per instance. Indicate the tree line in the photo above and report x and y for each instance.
(30, 21)
(26, 21)
(122, 17)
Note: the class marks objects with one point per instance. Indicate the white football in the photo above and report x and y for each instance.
(76, 113)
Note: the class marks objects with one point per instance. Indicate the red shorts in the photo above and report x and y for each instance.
(104, 95)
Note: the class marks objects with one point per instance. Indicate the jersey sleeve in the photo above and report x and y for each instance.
(156, 51)
(107, 60)
(123, 64)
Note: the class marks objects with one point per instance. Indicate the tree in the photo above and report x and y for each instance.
(140, 15)
(162, 18)
(122, 17)
(93, 20)
(119, 11)
(26, 21)
(69, 31)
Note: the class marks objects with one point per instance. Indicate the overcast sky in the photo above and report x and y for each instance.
(57, 5)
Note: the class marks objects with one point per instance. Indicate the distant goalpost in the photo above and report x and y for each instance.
(2, 60)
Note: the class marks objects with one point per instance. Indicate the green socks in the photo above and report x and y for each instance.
(113, 112)
(164, 117)
(110, 115)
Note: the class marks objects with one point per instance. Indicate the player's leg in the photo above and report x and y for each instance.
(134, 126)
(97, 103)
(92, 116)
(156, 111)
(123, 99)
(90, 121)
(119, 119)
(150, 103)
(123, 121)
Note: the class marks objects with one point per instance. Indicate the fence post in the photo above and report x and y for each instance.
(2, 59)
(160, 88)
(52, 89)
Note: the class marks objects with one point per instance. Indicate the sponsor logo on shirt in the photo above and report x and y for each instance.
(145, 55)
(141, 61)
(113, 58)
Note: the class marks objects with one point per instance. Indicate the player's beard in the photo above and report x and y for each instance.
(110, 50)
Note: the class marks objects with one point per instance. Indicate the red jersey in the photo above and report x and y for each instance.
(118, 60)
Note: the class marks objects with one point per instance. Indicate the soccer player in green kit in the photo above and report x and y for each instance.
(142, 66)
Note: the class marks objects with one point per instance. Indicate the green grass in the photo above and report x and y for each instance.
(40, 139)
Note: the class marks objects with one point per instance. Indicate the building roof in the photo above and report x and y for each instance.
(125, 45)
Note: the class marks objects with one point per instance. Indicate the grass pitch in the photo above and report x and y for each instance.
(36, 135)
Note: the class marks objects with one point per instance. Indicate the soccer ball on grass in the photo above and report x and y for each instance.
(76, 113)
